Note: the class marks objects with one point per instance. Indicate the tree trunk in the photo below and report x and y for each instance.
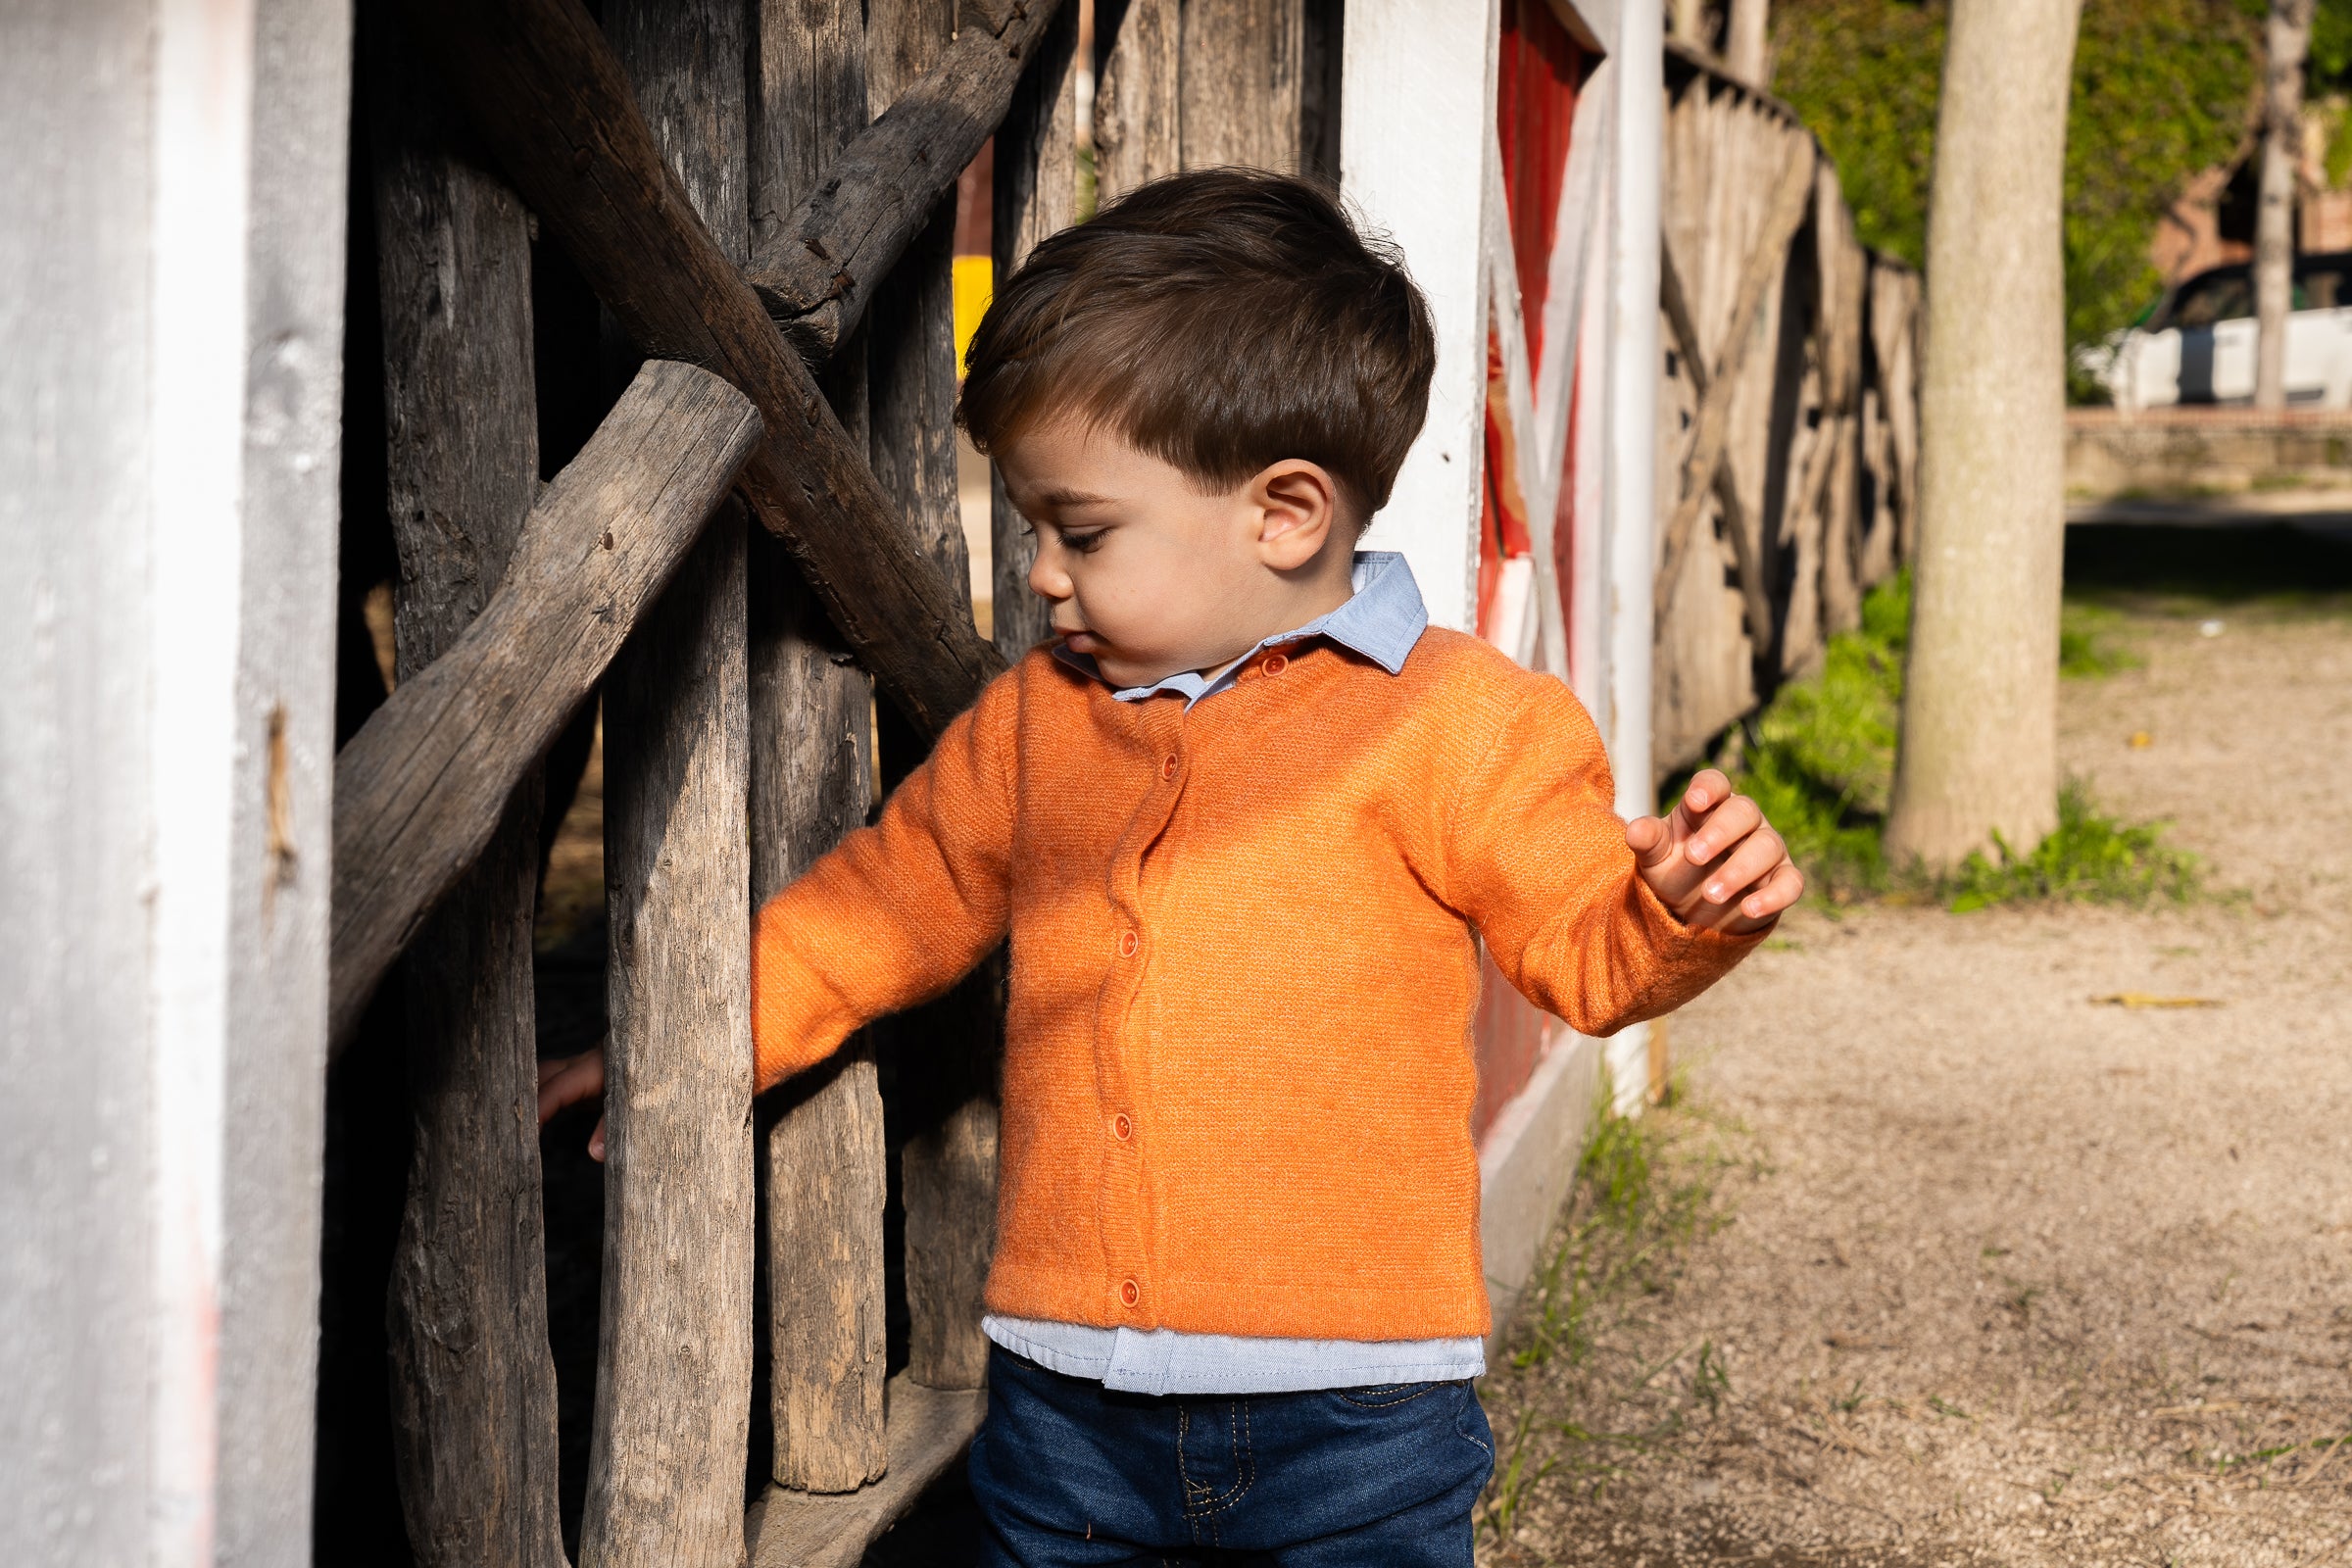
(667, 1457)
(1747, 42)
(2285, 40)
(473, 1386)
(826, 1165)
(1978, 749)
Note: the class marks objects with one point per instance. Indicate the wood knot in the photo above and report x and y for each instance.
(607, 541)
(581, 158)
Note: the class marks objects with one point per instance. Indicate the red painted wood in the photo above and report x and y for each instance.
(1540, 70)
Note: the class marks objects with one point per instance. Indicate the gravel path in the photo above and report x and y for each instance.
(2014, 1276)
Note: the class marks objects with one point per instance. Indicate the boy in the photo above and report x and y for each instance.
(1246, 821)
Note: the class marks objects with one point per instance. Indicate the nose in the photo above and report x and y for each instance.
(1046, 579)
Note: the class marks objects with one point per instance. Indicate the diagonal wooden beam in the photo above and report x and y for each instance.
(817, 272)
(420, 788)
(1755, 607)
(1791, 199)
(555, 111)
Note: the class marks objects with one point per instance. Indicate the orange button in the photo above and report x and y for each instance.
(1130, 1293)
(1167, 770)
(1276, 664)
(1121, 1128)
(1127, 945)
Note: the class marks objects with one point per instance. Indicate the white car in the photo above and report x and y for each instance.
(2197, 345)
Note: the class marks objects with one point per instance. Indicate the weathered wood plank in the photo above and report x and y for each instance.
(1738, 526)
(1138, 116)
(673, 1380)
(1712, 433)
(473, 1385)
(823, 1159)
(550, 99)
(667, 1449)
(946, 1048)
(1036, 194)
(815, 269)
(929, 1429)
(1242, 71)
(420, 788)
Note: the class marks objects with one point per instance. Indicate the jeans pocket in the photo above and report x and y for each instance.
(1382, 1395)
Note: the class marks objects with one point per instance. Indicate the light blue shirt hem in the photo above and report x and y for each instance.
(1162, 1361)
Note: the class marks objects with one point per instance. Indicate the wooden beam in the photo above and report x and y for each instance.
(1754, 607)
(1711, 431)
(551, 101)
(1241, 81)
(473, 1382)
(929, 1430)
(673, 1376)
(420, 789)
(1036, 194)
(1138, 109)
(816, 270)
(824, 1164)
(946, 1050)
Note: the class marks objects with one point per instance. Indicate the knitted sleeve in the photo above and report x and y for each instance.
(1537, 861)
(896, 912)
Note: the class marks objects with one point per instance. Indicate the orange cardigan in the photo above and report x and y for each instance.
(1238, 1068)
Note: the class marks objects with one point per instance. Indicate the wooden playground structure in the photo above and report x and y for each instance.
(713, 488)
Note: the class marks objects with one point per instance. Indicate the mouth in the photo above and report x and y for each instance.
(1078, 641)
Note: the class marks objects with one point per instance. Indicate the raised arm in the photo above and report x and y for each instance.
(897, 913)
(1538, 860)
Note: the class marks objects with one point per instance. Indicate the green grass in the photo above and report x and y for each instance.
(1646, 1190)
(2090, 859)
(1820, 760)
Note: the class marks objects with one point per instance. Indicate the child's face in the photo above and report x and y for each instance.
(1151, 573)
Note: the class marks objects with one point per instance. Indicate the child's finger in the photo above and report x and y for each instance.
(596, 1141)
(1729, 824)
(1708, 789)
(1780, 891)
(580, 1078)
(1747, 865)
(1652, 845)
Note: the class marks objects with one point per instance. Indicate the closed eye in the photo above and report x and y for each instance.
(1085, 543)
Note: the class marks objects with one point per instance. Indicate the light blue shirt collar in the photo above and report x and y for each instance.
(1381, 620)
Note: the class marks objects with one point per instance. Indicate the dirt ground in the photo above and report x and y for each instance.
(2013, 1275)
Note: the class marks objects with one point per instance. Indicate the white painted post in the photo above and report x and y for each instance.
(1628, 480)
(1417, 128)
(171, 293)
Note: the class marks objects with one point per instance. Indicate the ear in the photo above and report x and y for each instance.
(1297, 506)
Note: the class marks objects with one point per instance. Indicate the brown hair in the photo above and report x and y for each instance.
(1220, 319)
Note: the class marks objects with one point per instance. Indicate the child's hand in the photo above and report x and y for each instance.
(568, 1082)
(1751, 879)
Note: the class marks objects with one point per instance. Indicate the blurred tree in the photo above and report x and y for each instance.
(2286, 38)
(1977, 761)
(2162, 89)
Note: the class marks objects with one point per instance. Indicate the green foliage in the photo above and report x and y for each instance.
(2087, 644)
(1822, 758)
(1820, 764)
(2091, 858)
(2162, 89)
(1864, 75)
(2330, 68)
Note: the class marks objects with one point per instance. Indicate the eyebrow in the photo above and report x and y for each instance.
(1071, 498)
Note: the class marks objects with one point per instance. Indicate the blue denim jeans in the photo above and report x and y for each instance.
(1068, 1472)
